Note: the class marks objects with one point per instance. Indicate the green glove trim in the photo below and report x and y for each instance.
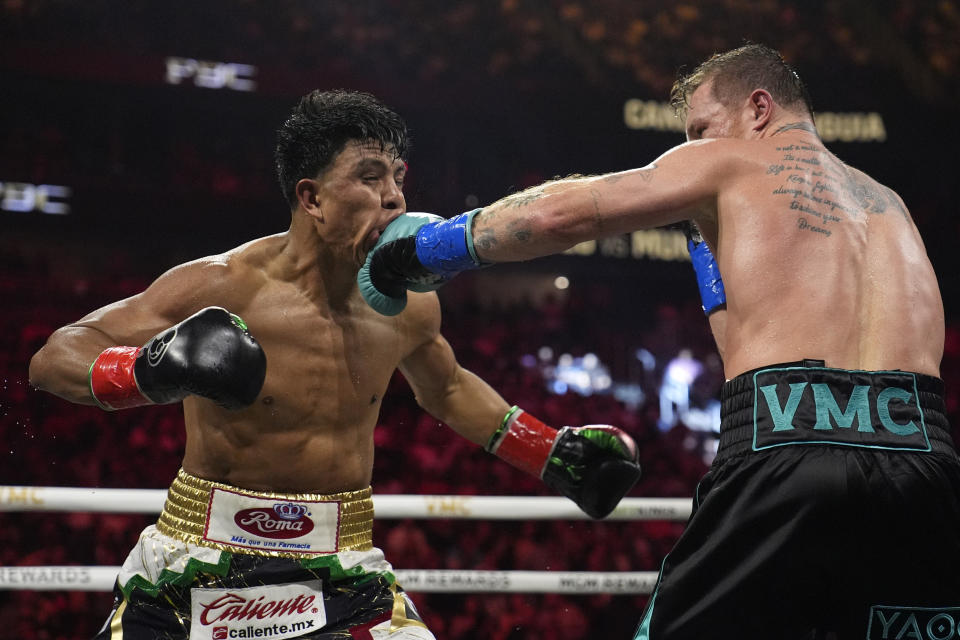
(495, 438)
(237, 320)
(573, 471)
(605, 440)
(90, 386)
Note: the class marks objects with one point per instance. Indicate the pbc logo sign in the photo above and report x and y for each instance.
(284, 521)
(45, 198)
(211, 75)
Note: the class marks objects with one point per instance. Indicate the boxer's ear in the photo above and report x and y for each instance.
(308, 198)
(760, 108)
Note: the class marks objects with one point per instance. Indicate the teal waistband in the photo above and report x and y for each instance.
(807, 403)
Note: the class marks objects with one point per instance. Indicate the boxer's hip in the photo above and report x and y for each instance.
(206, 526)
(806, 403)
(299, 525)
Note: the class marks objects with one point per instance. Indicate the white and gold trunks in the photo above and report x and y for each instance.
(282, 525)
(203, 523)
(225, 562)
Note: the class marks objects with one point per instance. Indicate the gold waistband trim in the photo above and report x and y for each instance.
(184, 515)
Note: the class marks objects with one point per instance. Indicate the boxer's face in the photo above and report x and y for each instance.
(358, 195)
(707, 117)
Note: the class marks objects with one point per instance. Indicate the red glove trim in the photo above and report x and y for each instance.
(526, 444)
(112, 383)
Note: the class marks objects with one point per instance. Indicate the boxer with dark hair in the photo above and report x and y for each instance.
(281, 367)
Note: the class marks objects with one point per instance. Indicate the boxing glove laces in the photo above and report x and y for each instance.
(210, 354)
(593, 465)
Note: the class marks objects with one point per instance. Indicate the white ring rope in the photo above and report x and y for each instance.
(78, 578)
(386, 507)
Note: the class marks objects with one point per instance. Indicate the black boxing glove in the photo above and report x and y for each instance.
(593, 465)
(210, 354)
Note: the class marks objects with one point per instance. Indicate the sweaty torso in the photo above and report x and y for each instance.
(821, 261)
(311, 427)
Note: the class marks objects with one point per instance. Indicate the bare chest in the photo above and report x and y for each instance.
(324, 369)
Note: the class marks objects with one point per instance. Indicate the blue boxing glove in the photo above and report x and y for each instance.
(705, 266)
(419, 252)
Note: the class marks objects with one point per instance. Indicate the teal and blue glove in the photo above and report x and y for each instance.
(419, 252)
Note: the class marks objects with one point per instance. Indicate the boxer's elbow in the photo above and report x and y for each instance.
(448, 400)
(57, 369)
(39, 370)
(437, 402)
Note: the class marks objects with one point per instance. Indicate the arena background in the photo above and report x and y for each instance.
(137, 135)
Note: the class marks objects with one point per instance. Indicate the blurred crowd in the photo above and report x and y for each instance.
(437, 40)
(135, 155)
(551, 78)
(49, 442)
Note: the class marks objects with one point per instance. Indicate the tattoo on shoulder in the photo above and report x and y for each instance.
(894, 200)
(822, 193)
(865, 192)
(810, 190)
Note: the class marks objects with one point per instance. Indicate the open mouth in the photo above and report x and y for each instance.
(371, 240)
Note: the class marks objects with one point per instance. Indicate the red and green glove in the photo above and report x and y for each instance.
(593, 465)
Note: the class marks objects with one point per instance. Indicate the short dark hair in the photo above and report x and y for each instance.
(738, 72)
(322, 123)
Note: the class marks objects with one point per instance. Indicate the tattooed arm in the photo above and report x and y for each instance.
(421, 251)
(552, 217)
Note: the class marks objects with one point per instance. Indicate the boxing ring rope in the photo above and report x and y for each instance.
(386, 507)
(80, 578)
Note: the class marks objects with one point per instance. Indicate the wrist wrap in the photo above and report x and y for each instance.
(446, 247)
(523, 441)
(112, 381)
(712, 293)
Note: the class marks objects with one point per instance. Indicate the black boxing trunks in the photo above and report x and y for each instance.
(832, 507)
(224, 563)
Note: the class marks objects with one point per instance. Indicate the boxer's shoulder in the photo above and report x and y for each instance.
(420, 320)
(230, 279)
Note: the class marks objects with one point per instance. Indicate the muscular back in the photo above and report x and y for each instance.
(820, 261)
